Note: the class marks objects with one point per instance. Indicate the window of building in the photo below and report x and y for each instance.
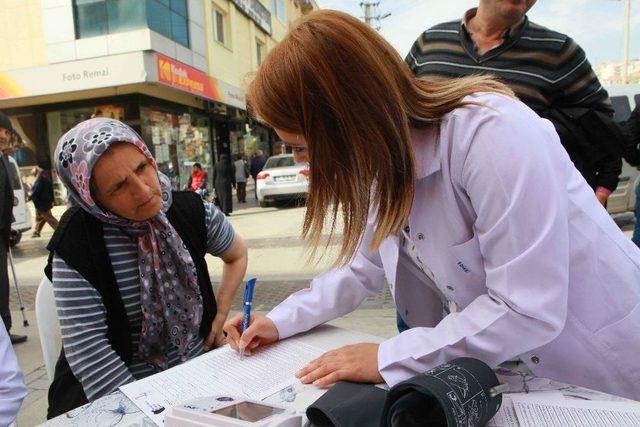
(169, 18)
(90, 18)
(219, 26)
(100, 17)
(260, 51)
(278, 7)
(177, 141)
(125, 15)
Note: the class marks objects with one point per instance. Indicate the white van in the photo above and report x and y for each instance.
(624, 99)
(21, 211)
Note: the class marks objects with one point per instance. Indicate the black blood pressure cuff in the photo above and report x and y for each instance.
(348, 404)
(455, 394)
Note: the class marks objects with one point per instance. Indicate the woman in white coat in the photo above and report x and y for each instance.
(492, 243)
(12, 389)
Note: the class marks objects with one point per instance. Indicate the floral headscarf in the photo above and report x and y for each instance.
(170, 296)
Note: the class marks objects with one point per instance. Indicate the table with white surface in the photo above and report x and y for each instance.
(117, 410)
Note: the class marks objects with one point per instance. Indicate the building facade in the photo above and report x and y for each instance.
(174, 70)
(611, 73)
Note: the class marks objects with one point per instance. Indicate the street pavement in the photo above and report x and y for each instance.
(278, 257)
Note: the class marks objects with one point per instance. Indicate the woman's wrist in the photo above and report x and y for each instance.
(222, 314)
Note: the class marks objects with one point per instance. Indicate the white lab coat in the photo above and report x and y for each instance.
(516, 238)
(12, 389)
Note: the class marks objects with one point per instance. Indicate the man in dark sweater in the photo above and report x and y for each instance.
(547, 70)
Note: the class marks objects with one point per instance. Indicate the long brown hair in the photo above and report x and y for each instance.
(338, 83)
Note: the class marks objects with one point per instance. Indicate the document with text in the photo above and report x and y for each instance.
(507, 417)
(575, 413)
(221, 372)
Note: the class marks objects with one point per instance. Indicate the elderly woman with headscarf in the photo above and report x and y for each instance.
(127, 263)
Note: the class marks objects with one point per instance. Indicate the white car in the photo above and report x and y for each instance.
(282, 179)
(21, 211)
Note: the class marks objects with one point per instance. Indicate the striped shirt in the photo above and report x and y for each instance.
(82, 314)
(546, 69)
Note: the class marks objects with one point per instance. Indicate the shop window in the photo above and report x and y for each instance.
(177, 141)
(219, 26)
(23, 143)
(278, 7)
(100, 17)
(260, 51)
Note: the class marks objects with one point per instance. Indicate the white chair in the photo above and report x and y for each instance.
(48, 326)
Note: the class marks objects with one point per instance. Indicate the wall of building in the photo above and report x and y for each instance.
(21, 34)
(234, 60)
(42, 32)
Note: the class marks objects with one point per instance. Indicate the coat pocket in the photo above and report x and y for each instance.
(464, 276)
(465, 263)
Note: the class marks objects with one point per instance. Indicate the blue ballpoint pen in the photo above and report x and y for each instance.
(246, 307)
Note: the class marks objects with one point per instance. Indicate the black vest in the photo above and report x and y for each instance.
(79, 241)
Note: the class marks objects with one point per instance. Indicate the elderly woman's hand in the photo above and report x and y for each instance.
(216, 337)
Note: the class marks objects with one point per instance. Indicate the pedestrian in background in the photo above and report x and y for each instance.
(224, 178)
(42, 197)
(546, 69)
(6, 218)
(197, 180)
(242, 173)
(257, 163)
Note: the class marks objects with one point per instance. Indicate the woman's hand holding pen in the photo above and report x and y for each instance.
(261, 331)
(358, 362)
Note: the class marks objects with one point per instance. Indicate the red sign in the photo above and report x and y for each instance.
(180, 76)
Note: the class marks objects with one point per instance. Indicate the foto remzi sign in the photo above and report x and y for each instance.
(94, 73)
(86, 74)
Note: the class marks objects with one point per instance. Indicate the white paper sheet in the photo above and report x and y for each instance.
(533, 412)
(506, 416)
(221, 371)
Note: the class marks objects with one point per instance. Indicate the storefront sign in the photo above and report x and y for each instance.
(256, 12)
(73, 76)
(113, 71)
(180, 76)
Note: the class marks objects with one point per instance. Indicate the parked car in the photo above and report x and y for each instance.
(21, 211)
(282, 178)
(624, 99)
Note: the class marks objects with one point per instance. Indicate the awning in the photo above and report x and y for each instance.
(112, 71)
